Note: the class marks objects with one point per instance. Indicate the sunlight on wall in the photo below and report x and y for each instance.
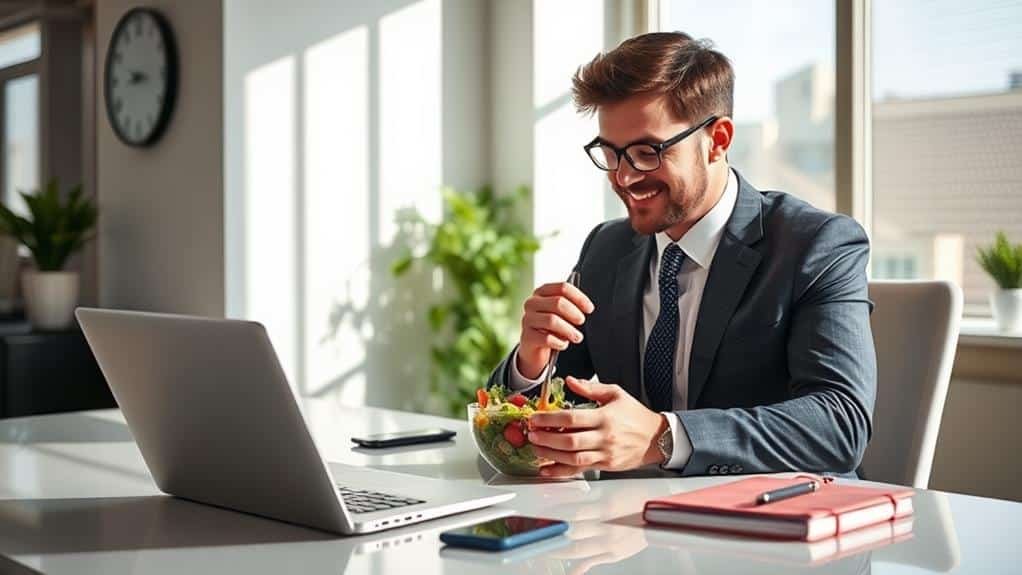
(269, 205)
(341, 132)
(336, 149)
(410, 122)
(569, 190)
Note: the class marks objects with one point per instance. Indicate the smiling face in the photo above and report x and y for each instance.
(688, 182)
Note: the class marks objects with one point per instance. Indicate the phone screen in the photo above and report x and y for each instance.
(405, 434)
(505, 527)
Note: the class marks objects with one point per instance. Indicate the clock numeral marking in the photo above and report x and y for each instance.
(118, 104)
(138, 130)
(118, 56)
(138, 26)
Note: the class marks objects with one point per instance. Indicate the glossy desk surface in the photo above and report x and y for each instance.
(75, 497)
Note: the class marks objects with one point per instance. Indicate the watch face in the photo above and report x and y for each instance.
(140, 77)
(666, 443)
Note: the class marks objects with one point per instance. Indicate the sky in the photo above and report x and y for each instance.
(921, 48)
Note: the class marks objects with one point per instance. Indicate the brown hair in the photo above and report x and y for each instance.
(698, 79)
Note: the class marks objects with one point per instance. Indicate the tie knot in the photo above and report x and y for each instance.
(670, 262)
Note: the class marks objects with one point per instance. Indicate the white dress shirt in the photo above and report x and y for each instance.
(699, 245)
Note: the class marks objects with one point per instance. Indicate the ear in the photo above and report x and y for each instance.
(721, 133)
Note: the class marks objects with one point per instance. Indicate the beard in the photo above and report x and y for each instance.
(669, 205)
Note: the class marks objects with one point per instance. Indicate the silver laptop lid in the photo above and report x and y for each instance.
(213, 415)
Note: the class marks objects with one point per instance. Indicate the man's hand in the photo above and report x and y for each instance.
(619, 435)
(549, 321)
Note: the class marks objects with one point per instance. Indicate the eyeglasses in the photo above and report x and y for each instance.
(643, 157)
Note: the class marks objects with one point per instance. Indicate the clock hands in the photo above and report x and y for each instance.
(137, 77)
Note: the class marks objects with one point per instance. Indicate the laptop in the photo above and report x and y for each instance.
(216, 422)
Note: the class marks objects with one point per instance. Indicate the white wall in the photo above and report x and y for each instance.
(339, 117)
(342, 115)
(161, 244)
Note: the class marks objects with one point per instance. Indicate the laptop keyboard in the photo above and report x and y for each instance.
(364, 501)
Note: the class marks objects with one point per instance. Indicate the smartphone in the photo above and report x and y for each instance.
(403, 438)
(504, 533)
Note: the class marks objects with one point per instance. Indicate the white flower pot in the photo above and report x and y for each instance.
(50, 298)
(1007, 305)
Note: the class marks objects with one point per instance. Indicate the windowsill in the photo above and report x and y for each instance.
(983, 332)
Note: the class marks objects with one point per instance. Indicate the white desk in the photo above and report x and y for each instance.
(75, 497)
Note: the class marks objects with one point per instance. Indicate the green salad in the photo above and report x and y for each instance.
(500, 426)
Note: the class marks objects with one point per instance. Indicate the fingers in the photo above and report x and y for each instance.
(542, 322)
(599, 392)
(557, 305)
(550, 317)
(569, 291)
(577, 459)
(580, 441)
(567, 418)
(538, 339)
(560, 470)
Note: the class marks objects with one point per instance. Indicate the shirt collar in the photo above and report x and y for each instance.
(700, 242)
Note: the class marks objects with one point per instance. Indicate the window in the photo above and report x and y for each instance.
(19, 45)
(783, 57)
(20, 140)
(19, 114)
(947, 131)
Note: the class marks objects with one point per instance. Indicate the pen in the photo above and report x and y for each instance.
(787, 492)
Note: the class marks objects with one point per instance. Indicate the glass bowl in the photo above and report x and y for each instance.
(502, 440)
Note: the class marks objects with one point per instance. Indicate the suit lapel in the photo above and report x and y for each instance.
(629, 281)
(733, 266)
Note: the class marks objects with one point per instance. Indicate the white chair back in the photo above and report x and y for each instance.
(915, 328)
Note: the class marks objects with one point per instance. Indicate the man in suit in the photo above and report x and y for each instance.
(729, 327)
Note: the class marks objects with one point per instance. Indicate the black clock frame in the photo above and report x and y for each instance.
(170, 97)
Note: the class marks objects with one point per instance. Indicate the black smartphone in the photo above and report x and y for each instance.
(398, 438)
(504, 533)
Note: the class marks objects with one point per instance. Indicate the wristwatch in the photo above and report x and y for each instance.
(665, 443)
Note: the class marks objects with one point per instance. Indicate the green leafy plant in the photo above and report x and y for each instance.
(482, 250)
(55, 229)
(1003, 261)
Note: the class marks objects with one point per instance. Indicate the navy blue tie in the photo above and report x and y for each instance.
(658, 363)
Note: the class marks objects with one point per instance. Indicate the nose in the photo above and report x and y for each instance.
(626, 175)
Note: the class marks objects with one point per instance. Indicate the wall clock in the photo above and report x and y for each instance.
(140, 77)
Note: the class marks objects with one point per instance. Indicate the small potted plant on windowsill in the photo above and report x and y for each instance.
(1003, 261)
(54, 230)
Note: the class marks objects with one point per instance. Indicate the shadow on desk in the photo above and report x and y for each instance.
(68, 428)
(55, 526)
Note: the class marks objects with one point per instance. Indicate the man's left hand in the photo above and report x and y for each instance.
(619, 435)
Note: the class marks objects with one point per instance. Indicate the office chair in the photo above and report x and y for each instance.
(915, 328)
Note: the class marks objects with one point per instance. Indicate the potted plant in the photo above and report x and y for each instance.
(482, 250)
(54, 230)
(1003, 261)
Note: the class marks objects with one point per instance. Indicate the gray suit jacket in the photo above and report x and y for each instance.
(782, 373)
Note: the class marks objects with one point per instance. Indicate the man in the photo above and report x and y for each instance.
(730, 327)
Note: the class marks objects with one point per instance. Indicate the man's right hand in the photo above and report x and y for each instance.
(551, 316)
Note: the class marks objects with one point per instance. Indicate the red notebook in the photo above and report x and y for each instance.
(732, 508)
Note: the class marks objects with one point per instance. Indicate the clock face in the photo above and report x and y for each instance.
(140, 77)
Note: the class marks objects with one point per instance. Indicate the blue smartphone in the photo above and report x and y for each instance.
(504, 533)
